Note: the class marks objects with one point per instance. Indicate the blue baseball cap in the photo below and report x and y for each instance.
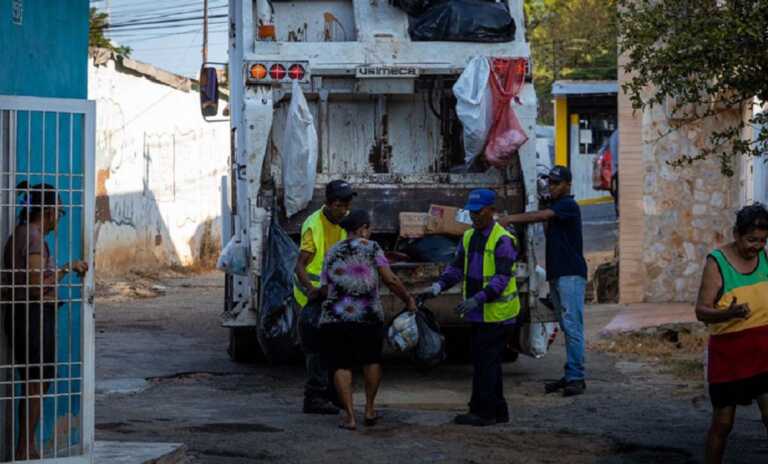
(479, 199)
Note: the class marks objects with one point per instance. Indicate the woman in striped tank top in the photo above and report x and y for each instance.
(733, 302)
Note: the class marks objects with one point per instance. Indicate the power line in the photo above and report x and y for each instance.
(163, 21)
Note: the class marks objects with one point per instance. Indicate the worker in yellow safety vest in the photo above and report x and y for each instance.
(319, 233)
(485, 266)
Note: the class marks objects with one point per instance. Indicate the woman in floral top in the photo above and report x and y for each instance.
(352, 318)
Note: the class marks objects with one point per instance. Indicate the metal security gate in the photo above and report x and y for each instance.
(46, 305)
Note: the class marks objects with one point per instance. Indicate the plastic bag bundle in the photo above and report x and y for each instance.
(299, 153)
(534, 339)
(413, 7)
(464, 21)
(430, 349)
(403, 333)
(507, 135)
(277, 326)
(474, 106)
(234, 258)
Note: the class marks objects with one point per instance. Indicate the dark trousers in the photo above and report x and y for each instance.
(488, 343)
(319, 383)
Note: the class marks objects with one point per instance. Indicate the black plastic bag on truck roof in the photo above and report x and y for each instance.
(430, 350)
(413, 7)
(277, 329)
(464, 21)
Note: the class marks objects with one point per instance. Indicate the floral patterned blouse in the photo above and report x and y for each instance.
(351, 272)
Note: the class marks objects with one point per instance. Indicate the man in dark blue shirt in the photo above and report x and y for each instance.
(566, 272)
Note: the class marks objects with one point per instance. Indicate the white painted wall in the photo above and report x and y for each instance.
(159, 167)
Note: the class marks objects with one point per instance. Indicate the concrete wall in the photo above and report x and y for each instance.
(671, 218)
(159, 169)
(44, 48)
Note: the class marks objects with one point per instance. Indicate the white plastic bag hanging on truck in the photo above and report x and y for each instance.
(299, 153)
(234, 258)
(474, 106)
(507, 136)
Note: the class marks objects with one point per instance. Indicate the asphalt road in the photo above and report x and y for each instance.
(163, 375)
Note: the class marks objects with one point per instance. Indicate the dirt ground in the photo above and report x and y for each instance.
(163, 375)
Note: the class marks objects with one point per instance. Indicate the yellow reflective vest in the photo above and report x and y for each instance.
(507, 306)
(315, 267)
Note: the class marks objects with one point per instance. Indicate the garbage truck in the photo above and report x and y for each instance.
(386, 122)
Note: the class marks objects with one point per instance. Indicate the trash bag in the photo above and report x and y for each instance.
(507, 135)
(277, 329)
(234, 258)
(474, 106)
(464, 21)
(430, 349)
(403, 332)
(413, 7)
(534, 339)
(299, 153)
(432, 249)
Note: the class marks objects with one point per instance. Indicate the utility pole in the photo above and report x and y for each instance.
(205, 31)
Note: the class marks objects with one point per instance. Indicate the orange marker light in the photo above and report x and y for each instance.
(258, 71)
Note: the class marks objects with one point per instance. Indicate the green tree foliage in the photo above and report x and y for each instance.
(99, 21)
(702, 57)
(570, 39)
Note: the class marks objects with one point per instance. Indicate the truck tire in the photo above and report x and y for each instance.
(244, 346)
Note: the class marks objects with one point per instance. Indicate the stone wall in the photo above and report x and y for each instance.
(688, 211)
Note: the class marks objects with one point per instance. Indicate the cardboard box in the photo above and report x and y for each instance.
(413, 225)
(442, 220)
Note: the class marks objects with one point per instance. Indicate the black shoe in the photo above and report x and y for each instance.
(473, 419)
(502, 419)
(555, 386)
(319, 406)
(575, 388)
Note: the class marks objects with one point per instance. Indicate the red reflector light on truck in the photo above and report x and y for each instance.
(296, 72)
(277, 72)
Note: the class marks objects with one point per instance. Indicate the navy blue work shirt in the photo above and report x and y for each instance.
(565, 245)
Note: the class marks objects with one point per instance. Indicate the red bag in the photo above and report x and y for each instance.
(601, 172)
(506, 136)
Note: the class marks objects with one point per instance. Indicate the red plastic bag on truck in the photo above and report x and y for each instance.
(507, 78)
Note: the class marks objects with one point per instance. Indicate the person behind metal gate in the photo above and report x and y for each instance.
(29, 280)
(319, 232)
(485, 262)
(352, 317)
(566, 272)
(733, 302)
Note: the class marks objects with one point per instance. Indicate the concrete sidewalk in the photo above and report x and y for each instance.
(640, 316)
(123, 452)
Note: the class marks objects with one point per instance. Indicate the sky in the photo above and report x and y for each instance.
(168, 33)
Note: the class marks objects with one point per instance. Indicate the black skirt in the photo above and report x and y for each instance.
(32, 344)
(739, 392)
(347, 345)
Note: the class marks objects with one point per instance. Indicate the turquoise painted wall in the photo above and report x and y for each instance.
(47, 54)
(44, 53)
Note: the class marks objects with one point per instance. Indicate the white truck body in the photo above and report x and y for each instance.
(372, 92)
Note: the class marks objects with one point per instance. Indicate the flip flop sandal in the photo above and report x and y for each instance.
(371, 421)
(344, 426)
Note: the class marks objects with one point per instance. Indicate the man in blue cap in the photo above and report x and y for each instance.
(485, 264)
(566, 273)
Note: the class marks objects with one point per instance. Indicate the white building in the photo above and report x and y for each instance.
(159, 167)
